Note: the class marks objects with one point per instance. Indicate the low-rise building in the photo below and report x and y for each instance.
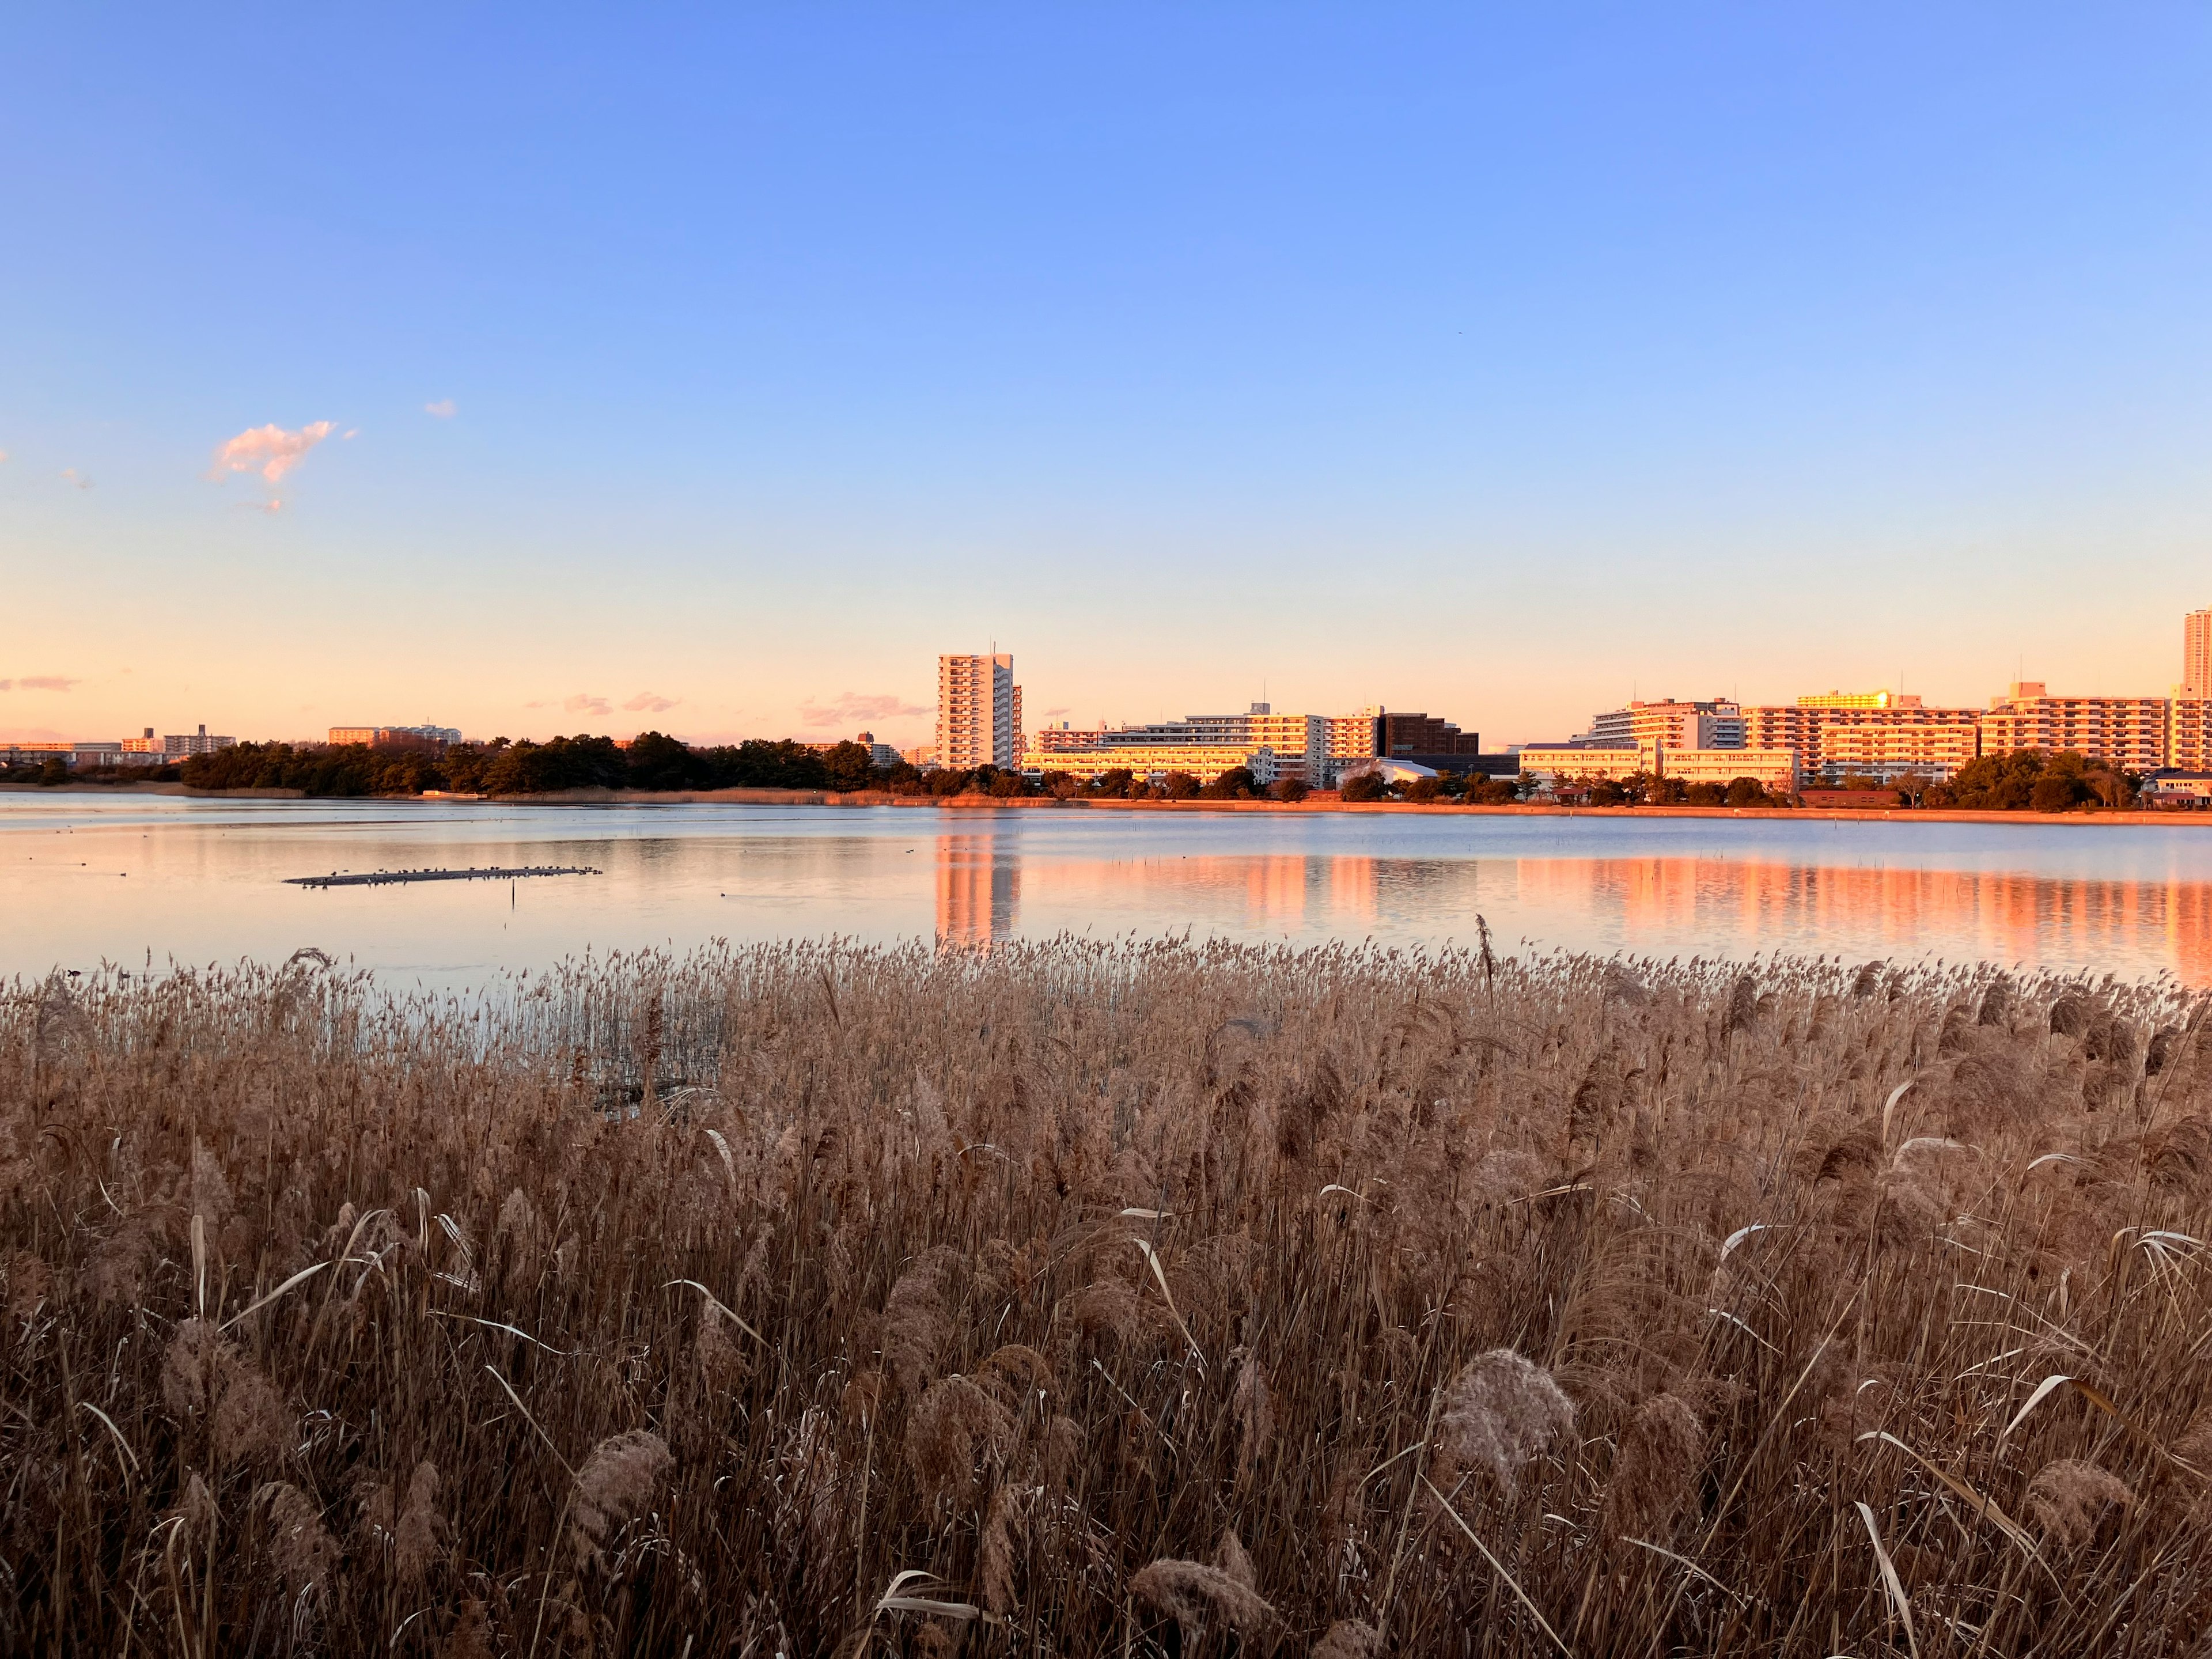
(1774, 770)
(394, 736)
(1611, 761)
(2174, 788)
(1298, 743)
(1152, 762)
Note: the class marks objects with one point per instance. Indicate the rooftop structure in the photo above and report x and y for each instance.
(1859, 699)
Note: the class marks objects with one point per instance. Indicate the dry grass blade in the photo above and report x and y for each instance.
(1498, 1567)
(526, 1417)
(1983, 1506)
(1152, 1261)
(259, 1303)
(132, 1457)
(719, 1306)
(1898, 1601)
(2043, 1390)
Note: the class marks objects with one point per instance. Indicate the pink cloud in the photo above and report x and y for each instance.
(71, 475)
(443, 409)
(38, 683)
(584, 703)
(854, 709)
(269, 450)
(646, 702)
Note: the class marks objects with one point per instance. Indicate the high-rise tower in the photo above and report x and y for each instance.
(2196, 654)
(979, 712)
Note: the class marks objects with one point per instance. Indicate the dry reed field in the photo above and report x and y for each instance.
(1086, 1298)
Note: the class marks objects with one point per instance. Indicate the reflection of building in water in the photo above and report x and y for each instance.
(1737, 908)
(1275, 892)
(979, 888)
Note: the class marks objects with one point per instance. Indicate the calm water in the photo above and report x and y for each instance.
(84, 879)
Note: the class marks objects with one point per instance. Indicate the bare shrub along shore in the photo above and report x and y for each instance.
(1083, 1298)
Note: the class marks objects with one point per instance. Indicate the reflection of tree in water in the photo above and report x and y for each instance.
(979, 887)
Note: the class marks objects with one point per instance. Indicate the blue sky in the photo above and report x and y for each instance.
(1507, 363)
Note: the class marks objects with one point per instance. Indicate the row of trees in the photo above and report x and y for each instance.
(2024, 780)
(653, 761)
(1650, 789)
(2028, 780)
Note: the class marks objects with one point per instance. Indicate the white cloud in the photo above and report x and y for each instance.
(269, 450)
(443, 409)
(646, 702)
(856, 708)
(585, 703)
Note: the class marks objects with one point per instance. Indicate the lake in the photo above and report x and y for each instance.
(140, 880)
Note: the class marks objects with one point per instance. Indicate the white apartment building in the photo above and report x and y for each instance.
(1296, 743)
(2128, 732)
(195, 743)
(1881, 734)
(1715, 724)
(979, 712)
(1775, 769)
(1152, 762)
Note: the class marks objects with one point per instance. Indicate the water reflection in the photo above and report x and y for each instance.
(201, 882)
(979, 888)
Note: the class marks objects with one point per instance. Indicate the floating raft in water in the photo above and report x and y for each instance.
(379, 877)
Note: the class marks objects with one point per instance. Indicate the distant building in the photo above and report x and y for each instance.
(979, 712)
(2178, 788)
(1858, 700)
(395, 736)
(1714, 724)
(1885, 735)
(1391, 769)
(1150, 762)
(1424, 735)
(2195, 656)
(198, 743)
(881, 755)
(1584, 760)
(1775, 770)
(1063, 736)
(2127, 733)
(1347, 738)
(1295, 741)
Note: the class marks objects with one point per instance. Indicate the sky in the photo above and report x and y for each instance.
(712, 369)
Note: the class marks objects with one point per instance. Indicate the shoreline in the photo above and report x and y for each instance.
(870, 798)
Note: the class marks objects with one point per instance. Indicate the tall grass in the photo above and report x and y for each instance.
(1080, 1298)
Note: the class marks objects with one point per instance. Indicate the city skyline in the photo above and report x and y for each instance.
(568, 376)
